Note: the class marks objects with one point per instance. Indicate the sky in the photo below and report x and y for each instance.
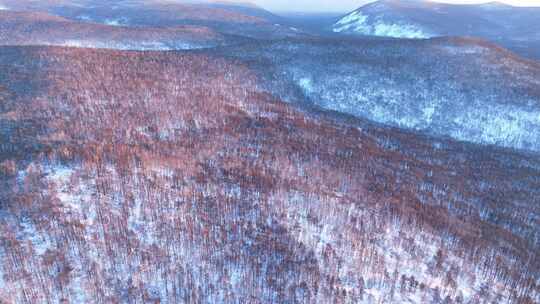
(349, 5)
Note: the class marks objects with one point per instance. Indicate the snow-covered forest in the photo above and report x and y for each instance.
(189, 183)
(165, 152)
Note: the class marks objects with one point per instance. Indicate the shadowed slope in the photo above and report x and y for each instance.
(466, 89)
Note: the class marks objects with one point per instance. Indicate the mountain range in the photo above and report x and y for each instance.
(228, 18)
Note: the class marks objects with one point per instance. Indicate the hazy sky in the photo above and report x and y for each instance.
(347, 5)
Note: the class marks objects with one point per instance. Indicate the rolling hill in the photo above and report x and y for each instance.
(228, 18)
(213, 152)
(466, 89)
(31, 28)
(513, 27)
(171, 177)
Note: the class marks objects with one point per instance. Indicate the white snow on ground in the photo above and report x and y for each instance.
(77, 288)
(21, 175)
(73, 193)
(509, 126)
(347, 22)
(428, 113)
(40, 242)
(2, 256)
(398, 31)
(357, 22)
(355, 17)
(116, 22)
(84, 18)
(136, 45)
(146, 231)
(484, 121)
(75, 196)
(116, 45)
(3, 8)
(306, 84)
(415, 260)
(459, 50)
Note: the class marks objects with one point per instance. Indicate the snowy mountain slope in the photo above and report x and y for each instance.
(500, 23)
(466, 89)
(168, 177)
(27, 28)
(359, 22)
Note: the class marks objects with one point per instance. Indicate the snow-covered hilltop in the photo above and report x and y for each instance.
(372, 20)
(515, 28)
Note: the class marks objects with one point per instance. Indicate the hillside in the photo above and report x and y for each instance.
(466, 89)
(29, 28)
(510, 26)
(234, 19)
(166, 177)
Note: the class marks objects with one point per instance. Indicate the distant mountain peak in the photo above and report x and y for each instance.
(374, 19)
(495, 5)
(494, 21)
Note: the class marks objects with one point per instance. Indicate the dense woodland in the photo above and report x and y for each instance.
(462, 88)
(31, 28)
(166, 177)
(226, 17)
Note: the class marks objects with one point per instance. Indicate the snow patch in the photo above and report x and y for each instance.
(505, 126)
(354, 17)
(3, 258)
(116, 22)
(84, 18)
(78, 289)
(359, 23)
(460, 50)
(40, 242)
(398, 31)
(428, 113)
(306, 84)
(3, 8)
(75, 195)
(127, 45)
(347, 22)
(21, 175)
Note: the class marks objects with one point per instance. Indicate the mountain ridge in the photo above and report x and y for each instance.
(37, 28)
(510, 26)
(421, 85)
(231, 19)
